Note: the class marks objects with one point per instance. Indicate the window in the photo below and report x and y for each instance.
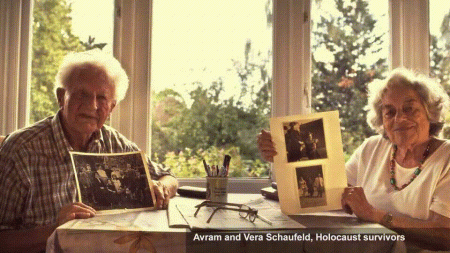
(440, 41)
(292, 63)
(61, 26)
(349, 49)
(440, 45)
(211, 77)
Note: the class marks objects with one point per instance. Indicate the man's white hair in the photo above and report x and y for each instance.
(107, 63)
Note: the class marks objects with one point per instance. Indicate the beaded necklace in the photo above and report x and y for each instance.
(416, 172)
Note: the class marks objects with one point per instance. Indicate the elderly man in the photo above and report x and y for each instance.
(37, 184)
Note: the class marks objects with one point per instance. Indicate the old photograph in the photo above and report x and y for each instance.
(305, 140)
(311, 187)
(113, 181)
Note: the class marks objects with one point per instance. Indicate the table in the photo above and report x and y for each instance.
(149, 231)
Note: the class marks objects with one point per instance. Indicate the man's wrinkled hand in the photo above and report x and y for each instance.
(76, 210)
(161, 194)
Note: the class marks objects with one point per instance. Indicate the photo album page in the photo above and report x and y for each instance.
(309, 167)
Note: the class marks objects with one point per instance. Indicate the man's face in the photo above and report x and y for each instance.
(86, 106)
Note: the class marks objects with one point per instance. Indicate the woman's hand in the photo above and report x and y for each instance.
(354, 201)
(266, 146)
(76, 210)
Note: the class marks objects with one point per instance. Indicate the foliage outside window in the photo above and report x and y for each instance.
(349, 45)
(349, 41)
(347, 54)
(440, 47)
(52, 40)
(205, 122)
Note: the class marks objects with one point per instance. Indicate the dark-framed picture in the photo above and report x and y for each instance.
(113, 182)
(309, 167)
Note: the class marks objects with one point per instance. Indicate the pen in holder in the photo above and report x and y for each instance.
(217, 180)
(216, 189)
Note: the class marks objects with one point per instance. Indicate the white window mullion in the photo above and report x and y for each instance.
(291, 47)
(15, 40)
(410, 34)
(132, 47)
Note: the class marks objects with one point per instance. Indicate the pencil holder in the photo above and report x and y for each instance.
(216, 189)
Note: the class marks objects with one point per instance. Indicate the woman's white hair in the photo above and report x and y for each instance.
(106, 63)
(431, 93)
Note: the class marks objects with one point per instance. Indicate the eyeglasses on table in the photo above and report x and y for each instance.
(244, 211)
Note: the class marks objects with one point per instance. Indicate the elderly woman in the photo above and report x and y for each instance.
(37, 183)
(400, 178)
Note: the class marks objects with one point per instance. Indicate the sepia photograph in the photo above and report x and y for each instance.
(311, 187)
(113, 181)
(305, 140)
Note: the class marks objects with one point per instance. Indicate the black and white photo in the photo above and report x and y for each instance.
(305, 140)
(113, 181)
(311, 187)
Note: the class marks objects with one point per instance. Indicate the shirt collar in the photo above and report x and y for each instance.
(96, 142)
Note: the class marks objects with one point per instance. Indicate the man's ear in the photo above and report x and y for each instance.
(113, 104)
(60, 92)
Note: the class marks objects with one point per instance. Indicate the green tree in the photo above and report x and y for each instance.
(165, 106)
(214, 121)
(439, 53)
(210, 121)
(52, 39)
(89, 45)
(440, 59)
(213, 124)
(341, 84)
(189, 163)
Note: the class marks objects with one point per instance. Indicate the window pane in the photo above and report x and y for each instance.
(61, 26)
(211, 83)
(349, 41)
(440, 45)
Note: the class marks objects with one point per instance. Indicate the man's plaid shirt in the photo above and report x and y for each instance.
(36, 175)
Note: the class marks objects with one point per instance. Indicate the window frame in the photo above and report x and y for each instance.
(409, 20)
(15, 64)
(291, 64)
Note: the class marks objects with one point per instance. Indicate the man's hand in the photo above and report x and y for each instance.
(266, 146)
(164, 188)
(76, 210)
(161, 194)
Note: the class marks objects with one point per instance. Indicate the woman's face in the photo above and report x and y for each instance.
(405, 120)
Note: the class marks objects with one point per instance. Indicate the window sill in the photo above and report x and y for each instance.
(235, 185)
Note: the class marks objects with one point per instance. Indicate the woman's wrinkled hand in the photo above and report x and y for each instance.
(354, 201)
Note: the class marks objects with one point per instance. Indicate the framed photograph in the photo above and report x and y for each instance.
(309, 166)
(113, 182)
